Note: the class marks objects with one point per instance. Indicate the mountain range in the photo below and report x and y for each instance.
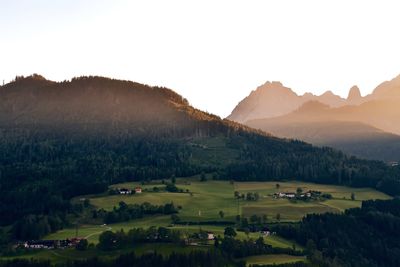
(367, 126)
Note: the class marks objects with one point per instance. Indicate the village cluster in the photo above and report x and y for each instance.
(302, 195)
(126, 191)
(50, 244)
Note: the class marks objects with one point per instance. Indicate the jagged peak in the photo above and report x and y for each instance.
(274, 86)
(354, 93)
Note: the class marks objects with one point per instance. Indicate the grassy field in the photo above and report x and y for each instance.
(293, 211)
(208, 198)
(92, 232)
(273, 259)
(203, 203)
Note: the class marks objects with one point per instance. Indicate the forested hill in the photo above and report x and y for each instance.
(59, 140)
(96, 104)
(366, 236)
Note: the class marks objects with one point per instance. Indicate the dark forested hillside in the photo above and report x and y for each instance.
(360, 237)
(354, 138)
(59, 140)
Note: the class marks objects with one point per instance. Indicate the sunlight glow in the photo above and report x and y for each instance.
(212, 52)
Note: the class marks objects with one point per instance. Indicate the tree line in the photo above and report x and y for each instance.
(366, 236)
(125, 212)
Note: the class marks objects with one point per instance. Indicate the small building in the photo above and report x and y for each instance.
(124, 191)
(290, 195)
(265, 231)
(50, 244)
(210, 236)
(138, 190)
(281, 194)
(285, 195)
(42, 244)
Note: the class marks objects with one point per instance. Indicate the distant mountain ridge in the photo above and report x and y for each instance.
(354, 138)
(272, 99)
(367, 126)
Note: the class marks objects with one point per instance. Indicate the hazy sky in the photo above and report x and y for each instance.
(212, 52)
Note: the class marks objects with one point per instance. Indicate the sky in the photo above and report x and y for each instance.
(213, 52)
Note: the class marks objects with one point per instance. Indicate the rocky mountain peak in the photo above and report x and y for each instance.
(354, 96)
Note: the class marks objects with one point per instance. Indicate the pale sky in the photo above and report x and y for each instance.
(212, 52)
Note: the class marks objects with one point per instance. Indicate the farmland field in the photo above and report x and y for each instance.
(92, 232)
(202, 201)
(208, 198)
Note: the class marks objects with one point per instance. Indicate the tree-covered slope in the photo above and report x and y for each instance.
(352, 137)
(366, 236)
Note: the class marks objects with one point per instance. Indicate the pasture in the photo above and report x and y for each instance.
(92, 232)
(208, 198)
(203, 203)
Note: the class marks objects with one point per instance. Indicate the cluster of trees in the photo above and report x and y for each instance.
(211, 258)
(36, 226)
(171, 187)
(253, 223)
(125, 212)
(239, 249)
(366, 236)
(243, 248)
(293, 264)
(249, 196)
(109, 240)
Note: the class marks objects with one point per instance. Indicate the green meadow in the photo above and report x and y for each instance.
(92, 232)
(208, 198)
(202, 202)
